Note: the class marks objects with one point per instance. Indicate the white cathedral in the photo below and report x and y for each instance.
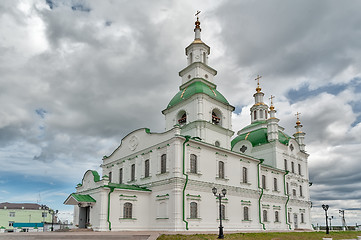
(163, 181)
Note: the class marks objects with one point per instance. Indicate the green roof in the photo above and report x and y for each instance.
(194, 88)
(82, 198)
(96, 176)
(259, 137)
(128, 187)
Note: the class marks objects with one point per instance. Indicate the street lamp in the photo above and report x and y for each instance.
(325, 207)
(330, 218)
(52, 212)
(220, 196)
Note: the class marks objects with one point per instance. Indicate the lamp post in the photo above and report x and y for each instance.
(330, 218)
(52, 212)
(220, 196)
(325, 207)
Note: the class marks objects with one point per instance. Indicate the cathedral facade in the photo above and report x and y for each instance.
(163, 181)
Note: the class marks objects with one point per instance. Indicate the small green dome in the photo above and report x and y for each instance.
(194, 88)
(259, 137)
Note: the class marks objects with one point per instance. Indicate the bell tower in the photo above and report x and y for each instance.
(199, 108)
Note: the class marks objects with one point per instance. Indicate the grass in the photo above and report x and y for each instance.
(267, 236)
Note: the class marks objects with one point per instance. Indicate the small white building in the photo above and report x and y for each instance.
(163, 181)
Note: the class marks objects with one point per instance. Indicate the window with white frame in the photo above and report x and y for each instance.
(265, 217)
(121, 176)
(275, 187)
(301, 191)
(132, 172)
(245, 213)
(302, 218)
(244, 175)
(163, 163)
(221, 169)
(193, 207)
(293, 167)
(110, 176)
(146, 168)
(11, 214)
(286, 168)
(287, 189)
(299, 169)
(127, 210)
(276, 216)
(294, 192)
(193, 163)
(264, 181)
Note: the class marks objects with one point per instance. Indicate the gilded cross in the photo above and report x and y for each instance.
(271, 98)
(298, 115)
(257, 79)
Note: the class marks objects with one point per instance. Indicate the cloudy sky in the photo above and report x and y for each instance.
(76, 76)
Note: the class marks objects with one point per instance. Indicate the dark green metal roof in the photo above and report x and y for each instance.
(259, 137)
(128, 187)
(194, 88)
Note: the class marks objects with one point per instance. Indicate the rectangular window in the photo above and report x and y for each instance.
(301, 191)
(302, 218)
(275, 188)
(44, 214)
(286, 168)
(121, 176)
(245, 177)
(294, 192)
(299, 169)
(110, 176)
(146, 168)
(11, 223)
(11, 214)
(263, 181)
(193, 163)
(293, 167)
(132, 173)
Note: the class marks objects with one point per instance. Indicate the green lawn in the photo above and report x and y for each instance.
(268, 236)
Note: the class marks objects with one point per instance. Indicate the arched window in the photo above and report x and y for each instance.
(254, 114)
(204, 58)
(276, 216)
(286, 169)
(293, 167)
(294, 192)
(302, 218)
(121, 176)
(287, 189)
(190, 58)
(182, 118)
(216, 118)
(245, 214)
(299, 169)
(193, 210)
(146, 168)
(261, 113)
(266, 114)
(223, 212)
(193, 163)
(221, 169)
(128, 210)
(217, 144)
(289, 217)
(265, 219)
(300, 190)
(163, 163)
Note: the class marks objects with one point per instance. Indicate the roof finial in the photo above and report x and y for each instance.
(258, 89)
(272, 107)
(298, 118)
(198, 23)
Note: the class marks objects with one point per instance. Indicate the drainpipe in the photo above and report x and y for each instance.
(186, 175)
(109, 223)
(259, 200)
(288, 198)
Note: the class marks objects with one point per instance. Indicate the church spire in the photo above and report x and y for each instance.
(272, 123)
(259, 109)
(197, 29)
(299, 135)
